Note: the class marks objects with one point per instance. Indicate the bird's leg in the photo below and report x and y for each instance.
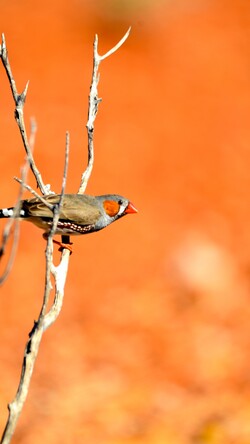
(65, 242)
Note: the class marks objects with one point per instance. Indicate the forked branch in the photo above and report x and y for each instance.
(59, 273)
(94, 101)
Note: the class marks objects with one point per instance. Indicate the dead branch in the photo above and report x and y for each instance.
(44, 319)
(59, 273)
(19, 100)
(94, 101)
(14, 222)
(32, 191)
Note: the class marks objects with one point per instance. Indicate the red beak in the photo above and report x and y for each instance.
(130, 209)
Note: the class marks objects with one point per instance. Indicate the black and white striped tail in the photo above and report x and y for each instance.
(9, 212)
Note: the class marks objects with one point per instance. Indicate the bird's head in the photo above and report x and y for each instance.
(114, 206)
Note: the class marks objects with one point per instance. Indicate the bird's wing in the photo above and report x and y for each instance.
(77, 208)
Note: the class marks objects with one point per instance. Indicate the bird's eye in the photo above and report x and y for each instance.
(120, 202)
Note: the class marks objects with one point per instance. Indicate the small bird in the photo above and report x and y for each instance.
(79, 214)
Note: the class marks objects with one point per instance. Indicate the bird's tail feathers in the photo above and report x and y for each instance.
(9, 212)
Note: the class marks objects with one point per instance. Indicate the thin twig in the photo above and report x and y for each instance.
(7, 232)
(116, 47)
(33, 131)
(32, 191)
(14, 220)
(15, 407)
(19, 100)
(60, 272)
(94, 101)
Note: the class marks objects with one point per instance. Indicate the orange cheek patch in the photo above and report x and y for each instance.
(111, 207)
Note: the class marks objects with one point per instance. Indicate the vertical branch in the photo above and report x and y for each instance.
(14, 221)
(62, 269)
(19, 100)
(94, 101)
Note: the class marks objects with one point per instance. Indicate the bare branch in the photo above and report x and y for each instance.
(33, 131)
(15, 407)
(47, 320)
(66, 164)
(19, 100)
(14, 220)
(8, 228)
(59, 273)
(44, 320)
(32, 191)
(116, 47)
(94, 101)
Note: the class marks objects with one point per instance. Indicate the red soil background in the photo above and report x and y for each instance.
(153, 342)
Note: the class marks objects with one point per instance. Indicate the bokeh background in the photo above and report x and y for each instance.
(153, 342)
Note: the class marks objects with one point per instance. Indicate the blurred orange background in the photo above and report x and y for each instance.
(153, 341)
